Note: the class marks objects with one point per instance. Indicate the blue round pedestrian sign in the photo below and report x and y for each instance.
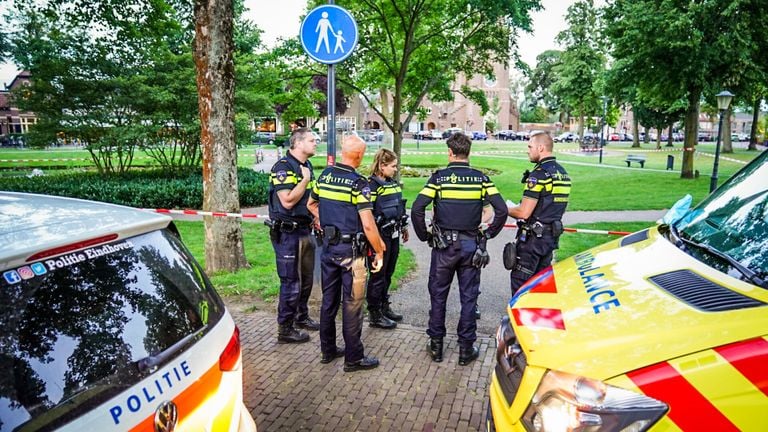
(328, 34)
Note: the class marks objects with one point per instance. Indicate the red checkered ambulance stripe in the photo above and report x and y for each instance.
(750, 358)
(689, 409)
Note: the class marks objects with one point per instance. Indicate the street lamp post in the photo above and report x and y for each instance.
(723, 101)
(602, 126)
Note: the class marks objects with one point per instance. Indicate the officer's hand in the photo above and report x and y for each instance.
(305, 173)
(405, 235)
(378, 262)
(481, 258)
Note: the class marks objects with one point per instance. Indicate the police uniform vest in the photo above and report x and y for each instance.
(342, 192)
(387, 198)
(459, 193)
(286, 174)
(550, 185)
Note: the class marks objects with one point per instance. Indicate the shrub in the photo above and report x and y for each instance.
(139, 188)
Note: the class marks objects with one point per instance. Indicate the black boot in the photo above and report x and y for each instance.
(287, 334)
(308, 324)
(477, 312)
(364, 363)
(468, 355)
(377, 319)
(435, 348)
(389, 313)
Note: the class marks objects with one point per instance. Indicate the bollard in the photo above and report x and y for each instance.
(670, 162)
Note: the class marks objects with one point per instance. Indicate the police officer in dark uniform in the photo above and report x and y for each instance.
(392, 222)
(540, 212)
(290, 224)
(458, 194)
(341, 202)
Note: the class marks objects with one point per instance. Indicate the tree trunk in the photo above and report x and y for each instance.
(647, 136)
(670, 138)
(216, 88)
(755, 119)
(726, 134)
(691, 133)
(635, 132)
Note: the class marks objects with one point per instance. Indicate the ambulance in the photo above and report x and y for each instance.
(108, 323)
(665, 329)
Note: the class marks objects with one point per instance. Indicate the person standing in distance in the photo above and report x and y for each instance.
(459, 194)
(290, 183)
(341, 203)
(392, 222)
(540, 212)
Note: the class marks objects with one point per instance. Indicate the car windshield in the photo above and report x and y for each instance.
(73, 327)
(733, 221)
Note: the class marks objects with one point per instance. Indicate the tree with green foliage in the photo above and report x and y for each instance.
(409, 51)
(542, 79)
(578, 75)
(684, 50)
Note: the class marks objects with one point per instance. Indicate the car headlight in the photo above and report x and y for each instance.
(565, 402)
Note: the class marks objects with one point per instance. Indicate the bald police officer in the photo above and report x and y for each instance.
(341, 202)
(540, 213)
(290, 183)
(458, 193)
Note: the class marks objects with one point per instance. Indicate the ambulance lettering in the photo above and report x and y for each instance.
(595, 284)
(146, 394)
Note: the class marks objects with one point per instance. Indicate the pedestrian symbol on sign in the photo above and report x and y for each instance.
(329, 34)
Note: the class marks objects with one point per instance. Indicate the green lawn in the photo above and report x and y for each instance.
(261, 279)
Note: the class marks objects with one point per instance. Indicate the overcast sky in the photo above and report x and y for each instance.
(283, 21)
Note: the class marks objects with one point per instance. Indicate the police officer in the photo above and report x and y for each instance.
(391, 220)
(290, 228)
(458, 194)
(341, 203)
(540, 211)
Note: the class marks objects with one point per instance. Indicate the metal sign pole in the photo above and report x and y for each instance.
(331, 104)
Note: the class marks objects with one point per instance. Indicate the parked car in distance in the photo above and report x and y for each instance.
(739, 137)
(479, 136)
(109, 323)
(435, 134)
(452, 130)
(614, 137)
(523, 135)
(423, 135)
(566, 137)
(506, 135)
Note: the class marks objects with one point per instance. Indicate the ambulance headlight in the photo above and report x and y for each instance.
(565, 402)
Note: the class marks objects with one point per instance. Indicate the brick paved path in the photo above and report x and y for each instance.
(288, 389)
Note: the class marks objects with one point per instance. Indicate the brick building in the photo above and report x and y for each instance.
(14, 122)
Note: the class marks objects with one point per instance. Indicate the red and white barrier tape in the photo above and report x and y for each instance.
(256, 216)
(207, 213)
(583, 230)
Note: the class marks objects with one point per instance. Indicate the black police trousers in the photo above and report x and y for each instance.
(456, 258)
(295, 256)
(343, 282)
(533, 255)
(378, 283)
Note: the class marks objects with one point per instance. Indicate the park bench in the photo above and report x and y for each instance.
(635, 158)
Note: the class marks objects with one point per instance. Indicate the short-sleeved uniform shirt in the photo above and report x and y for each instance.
(285, 175)
(550, 185)
(342, 193)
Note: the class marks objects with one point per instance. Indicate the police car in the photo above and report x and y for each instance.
(108, 323)
(665, 329)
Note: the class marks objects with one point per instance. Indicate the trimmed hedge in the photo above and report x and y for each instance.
(140, 188)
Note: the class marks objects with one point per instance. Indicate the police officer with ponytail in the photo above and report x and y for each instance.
(540, 212)
(458, 195)
(290, 224)
(389, 213)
